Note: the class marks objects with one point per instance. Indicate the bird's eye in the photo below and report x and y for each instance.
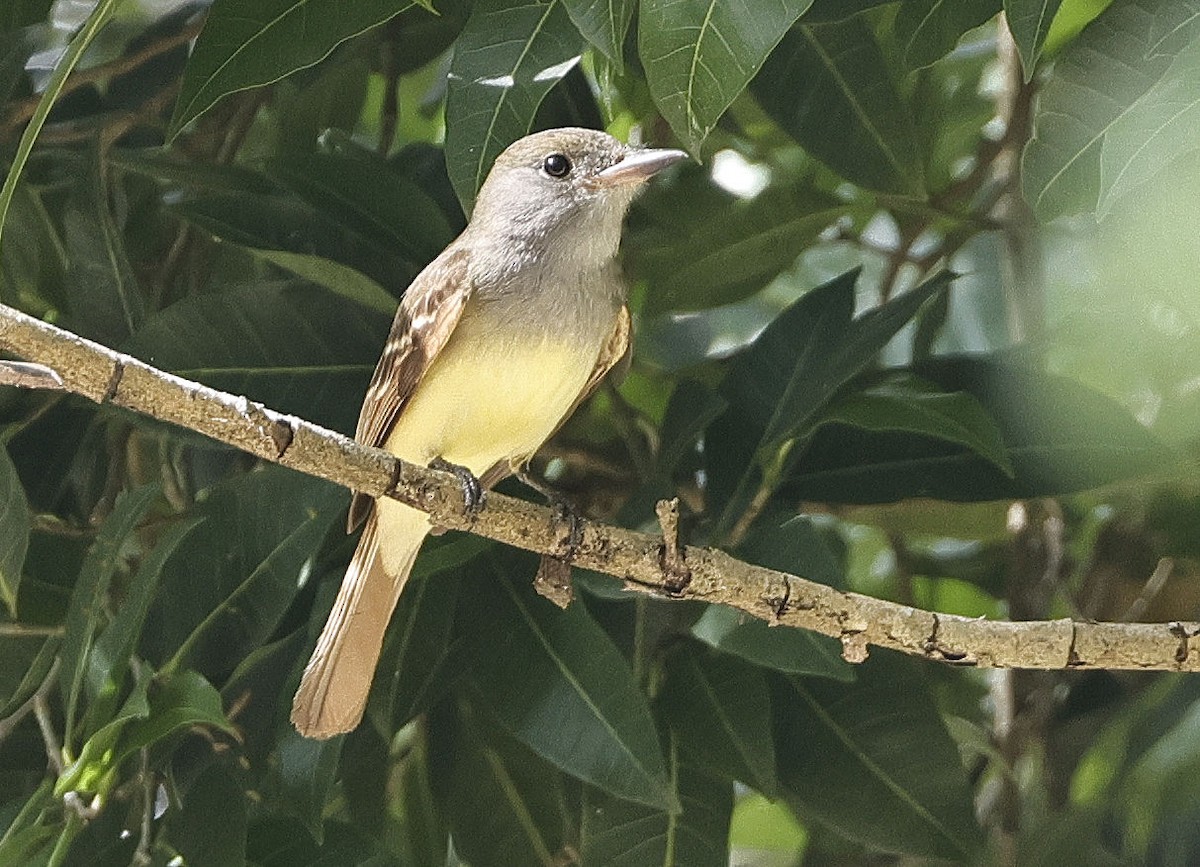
(557, 166)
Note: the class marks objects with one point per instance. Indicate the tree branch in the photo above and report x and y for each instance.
(644, 562)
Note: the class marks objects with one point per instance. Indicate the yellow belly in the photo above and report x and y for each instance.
(486, 399)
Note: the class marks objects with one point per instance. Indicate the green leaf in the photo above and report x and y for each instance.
(307, 770)
(927, 30)
(505, 61)
(555, 680)
(777, 387)
(284, 222)
(699, 246)
(21, 13)
(792, 651)
(692, 406)
(719, 708)
(905, 403)
(106, 302)
(877, 741)
(616, 833)
(1061, 436)
(700, 54)
(185, 700)
(110, 657)
(421, 657)
(296, 348)
(504, 805)
(209, 829)
(1156, 129)
(603, 23)
(87, 599)
(249, 43)
(229, 583)
(849, 114)
(337, 278)
(24, 663)
(366, 195)
(14, 532)
(1097, 81)
(1029, 22)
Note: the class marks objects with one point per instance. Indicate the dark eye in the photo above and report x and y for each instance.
(557, 166)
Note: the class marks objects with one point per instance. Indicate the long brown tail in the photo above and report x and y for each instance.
(333, 692)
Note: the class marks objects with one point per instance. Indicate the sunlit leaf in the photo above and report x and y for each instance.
(1029, 22)
(1097, 81)
(505, 61)
(249, 43)
(700, 54)
(603, 23)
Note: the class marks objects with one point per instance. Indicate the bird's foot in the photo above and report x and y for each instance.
(472, 491)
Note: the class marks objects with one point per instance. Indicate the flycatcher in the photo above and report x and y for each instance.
(495, 344)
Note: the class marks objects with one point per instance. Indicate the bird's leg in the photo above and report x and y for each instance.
(472, 491)
(565, 512)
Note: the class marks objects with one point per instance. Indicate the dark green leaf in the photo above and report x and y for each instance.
(699, 246)
(339, 279)
(1098, 80)
(793, 651)
(420, 657)
(284, 222)
(700, 54)
(929, 29)
(109, 660)
(87, 599)
(255, 689)
(14, 532)
(249, 43)
(210, 827)
(306, 771)
(838, 10)
(105, 300)
(506, 60)
(848, 114)
(719, 709)
(366, 195)
(617, 833)
(792, 543)
(693, 405)
(230, 581)
(1061, 437)
(504, 805)
(21, 13)
(603, 23)
(24, 663)
(296, 348)
(877, 741)
(905, 403)
(1029, 22)
(559, 685)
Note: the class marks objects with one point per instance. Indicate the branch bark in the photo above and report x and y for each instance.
(644, 562)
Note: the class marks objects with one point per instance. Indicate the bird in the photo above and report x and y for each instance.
(494, 345)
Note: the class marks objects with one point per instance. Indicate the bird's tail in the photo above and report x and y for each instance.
(333, 692)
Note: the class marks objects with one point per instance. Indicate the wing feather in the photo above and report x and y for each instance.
(428, 314)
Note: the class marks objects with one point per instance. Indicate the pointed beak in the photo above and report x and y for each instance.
(639, 165)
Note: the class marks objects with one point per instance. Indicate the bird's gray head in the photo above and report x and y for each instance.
(566, 186)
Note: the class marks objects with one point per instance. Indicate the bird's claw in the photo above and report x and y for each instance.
(472, 491)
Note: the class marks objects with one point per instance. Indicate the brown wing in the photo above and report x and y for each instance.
(427, 315)
(614, 353)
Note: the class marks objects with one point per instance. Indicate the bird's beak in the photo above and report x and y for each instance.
(639, 165)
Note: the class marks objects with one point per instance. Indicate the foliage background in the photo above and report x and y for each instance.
(1018, 442)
